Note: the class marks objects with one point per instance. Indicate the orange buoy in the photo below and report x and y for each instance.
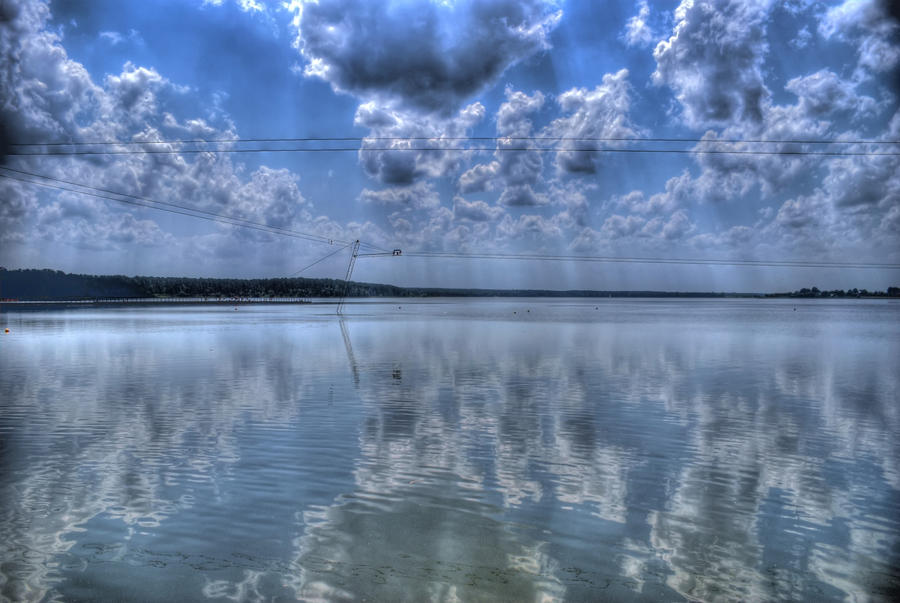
(6, 331)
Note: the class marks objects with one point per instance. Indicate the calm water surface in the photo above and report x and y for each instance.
(519, 450)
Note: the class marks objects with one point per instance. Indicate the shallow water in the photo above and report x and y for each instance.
(452, 449)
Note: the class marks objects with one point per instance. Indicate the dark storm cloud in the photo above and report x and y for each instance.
(429, 56)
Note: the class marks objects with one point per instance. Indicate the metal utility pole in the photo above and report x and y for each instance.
(354, 253)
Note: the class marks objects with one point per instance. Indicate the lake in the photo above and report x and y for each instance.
(467, 449)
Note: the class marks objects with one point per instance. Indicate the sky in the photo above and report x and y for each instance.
(414, 85)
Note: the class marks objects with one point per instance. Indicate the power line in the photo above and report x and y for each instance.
(640, 260)
(454, 149)
(458, 138)
(233, 221)
(153, 204)
(322, 259)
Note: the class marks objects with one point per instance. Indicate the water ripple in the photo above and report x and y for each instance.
(657, 450)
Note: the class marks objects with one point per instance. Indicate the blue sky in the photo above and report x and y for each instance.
(245, 69)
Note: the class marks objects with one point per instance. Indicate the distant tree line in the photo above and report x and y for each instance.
(31, 284)
(815, 292)
(55, 285)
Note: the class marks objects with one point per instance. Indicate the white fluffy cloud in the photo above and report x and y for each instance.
(713, 64)
(867, 25)
(17, 201)
(475, 211)
(418, 196)
(823, 93)
(48, 97)
(417, 69)
(713, 61)
(415, 155)
(515, 172)
(637, 31)
(601, 113)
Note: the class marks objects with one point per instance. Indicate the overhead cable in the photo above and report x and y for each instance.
(458, 138)
(158, 205)
(355, 149)
(641, 260)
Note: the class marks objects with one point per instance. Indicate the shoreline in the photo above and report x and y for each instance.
(170, 301)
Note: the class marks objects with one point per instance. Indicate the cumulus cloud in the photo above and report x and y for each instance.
(713, 61)
(521, 195)
(42, 90)
(135, 90)
(196, 128)
(823, 101)
(475, 211)
(17, 201)
(855, 205)
(678, 226)
(49, 96)
(637, 31)
(659, 203)
(514, 116)
(514, 171)
(114, 38)
(593, 115)
(873, 181)
(534, 228)
(572, 196)
(823, 93)
(248, 6)
(804, 36)
(479, 177)
(430, 56)
(78, 226)
(869, 26)
(800, 212)
(403, 146)
(416, 86)
(271, 196)
(617, 226)
(670, 228)
(418, 196)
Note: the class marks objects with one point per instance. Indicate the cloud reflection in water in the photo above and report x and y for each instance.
(651, 450)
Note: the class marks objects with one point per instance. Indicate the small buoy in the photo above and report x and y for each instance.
(6, 331)
(514, 311)
(795, 309)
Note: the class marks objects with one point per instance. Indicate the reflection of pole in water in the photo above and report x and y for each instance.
(350, 356)
(353, 255)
